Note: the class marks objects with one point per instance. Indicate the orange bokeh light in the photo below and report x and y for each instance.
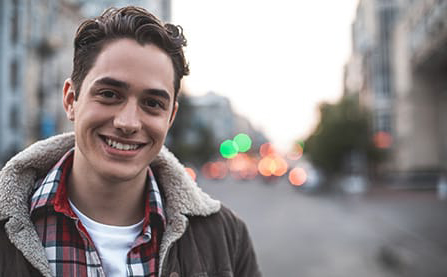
(272, 165)
(191, 173)
(264, 166)
(297, 176)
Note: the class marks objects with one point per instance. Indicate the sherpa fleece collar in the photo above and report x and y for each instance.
(183, 196)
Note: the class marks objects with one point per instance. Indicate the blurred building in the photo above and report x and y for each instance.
(202, 123)
(35, 58)
(399, 56)
(12, 57)
(215, 112)
(370, 67)
(161, 8)
(420, 47)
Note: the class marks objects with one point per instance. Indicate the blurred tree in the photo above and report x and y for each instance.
(189, 140)
(342, 132)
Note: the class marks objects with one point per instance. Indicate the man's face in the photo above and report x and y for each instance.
(124, 110)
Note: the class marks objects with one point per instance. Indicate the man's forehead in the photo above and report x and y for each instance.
(131, 63)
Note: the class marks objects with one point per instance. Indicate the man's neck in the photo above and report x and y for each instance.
(111, 202)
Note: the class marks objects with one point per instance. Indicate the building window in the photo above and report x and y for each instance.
(386, 122)
(14, 74)
(382, 136)
(15, 21)
(13, 118)
(382, 122)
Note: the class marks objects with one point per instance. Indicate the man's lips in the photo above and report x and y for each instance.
(122, 144)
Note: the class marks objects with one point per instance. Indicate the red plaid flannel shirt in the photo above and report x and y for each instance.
(69, 249)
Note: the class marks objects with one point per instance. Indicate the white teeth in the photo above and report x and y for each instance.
(121, 146)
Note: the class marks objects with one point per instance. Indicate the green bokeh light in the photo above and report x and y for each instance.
(229, 149)
(243, 141)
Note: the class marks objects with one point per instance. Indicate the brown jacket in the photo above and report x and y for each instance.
(202, 237)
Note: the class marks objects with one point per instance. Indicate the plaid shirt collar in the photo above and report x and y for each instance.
(51, 192)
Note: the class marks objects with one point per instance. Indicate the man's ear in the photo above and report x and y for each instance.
(69, 99)
(174, 113)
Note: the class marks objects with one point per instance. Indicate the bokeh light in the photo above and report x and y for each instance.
(297, 152)
(266, 149)
(229, 149)
(243, 141)
(191, 173)
(264, 166)
(272, 165)
(215, 170)
(243, 167)
(382, 140)
(281, 166)
(297, 176)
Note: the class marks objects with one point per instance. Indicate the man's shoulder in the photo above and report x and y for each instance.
(225, 220)
(229, 215)
(224, 238)
(38, 158)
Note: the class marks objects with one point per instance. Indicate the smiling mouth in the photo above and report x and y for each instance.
(119, 145)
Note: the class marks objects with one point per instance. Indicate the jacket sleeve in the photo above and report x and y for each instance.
(12, 262)
(246, 263)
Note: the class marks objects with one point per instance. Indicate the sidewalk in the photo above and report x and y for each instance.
(415, 224)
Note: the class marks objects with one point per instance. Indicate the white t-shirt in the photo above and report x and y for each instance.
(112, 242)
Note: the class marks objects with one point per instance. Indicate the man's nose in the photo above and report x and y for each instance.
(127, 118)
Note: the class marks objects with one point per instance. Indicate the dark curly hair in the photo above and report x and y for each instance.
(129, 22)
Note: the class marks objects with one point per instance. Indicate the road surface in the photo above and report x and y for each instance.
(383, 233)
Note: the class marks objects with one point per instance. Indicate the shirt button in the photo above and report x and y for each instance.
(174, 274)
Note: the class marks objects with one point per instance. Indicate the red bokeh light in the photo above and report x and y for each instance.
(297, 176)
(382, 140)
(267, 149)
(215, 170)
(243, 167)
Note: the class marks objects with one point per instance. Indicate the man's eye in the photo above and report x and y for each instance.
(108, 94)
(152, 103)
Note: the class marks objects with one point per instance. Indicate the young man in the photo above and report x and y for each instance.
(110, 200)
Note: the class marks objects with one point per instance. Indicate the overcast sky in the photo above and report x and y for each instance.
(275, 60)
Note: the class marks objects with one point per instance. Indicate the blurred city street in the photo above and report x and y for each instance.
(280, 93)
(383, 233)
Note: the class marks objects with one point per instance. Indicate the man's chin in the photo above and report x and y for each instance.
(123, 177)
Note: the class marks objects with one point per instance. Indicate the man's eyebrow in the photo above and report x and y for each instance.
(112, 82)
(158, 92)
(120, 84)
